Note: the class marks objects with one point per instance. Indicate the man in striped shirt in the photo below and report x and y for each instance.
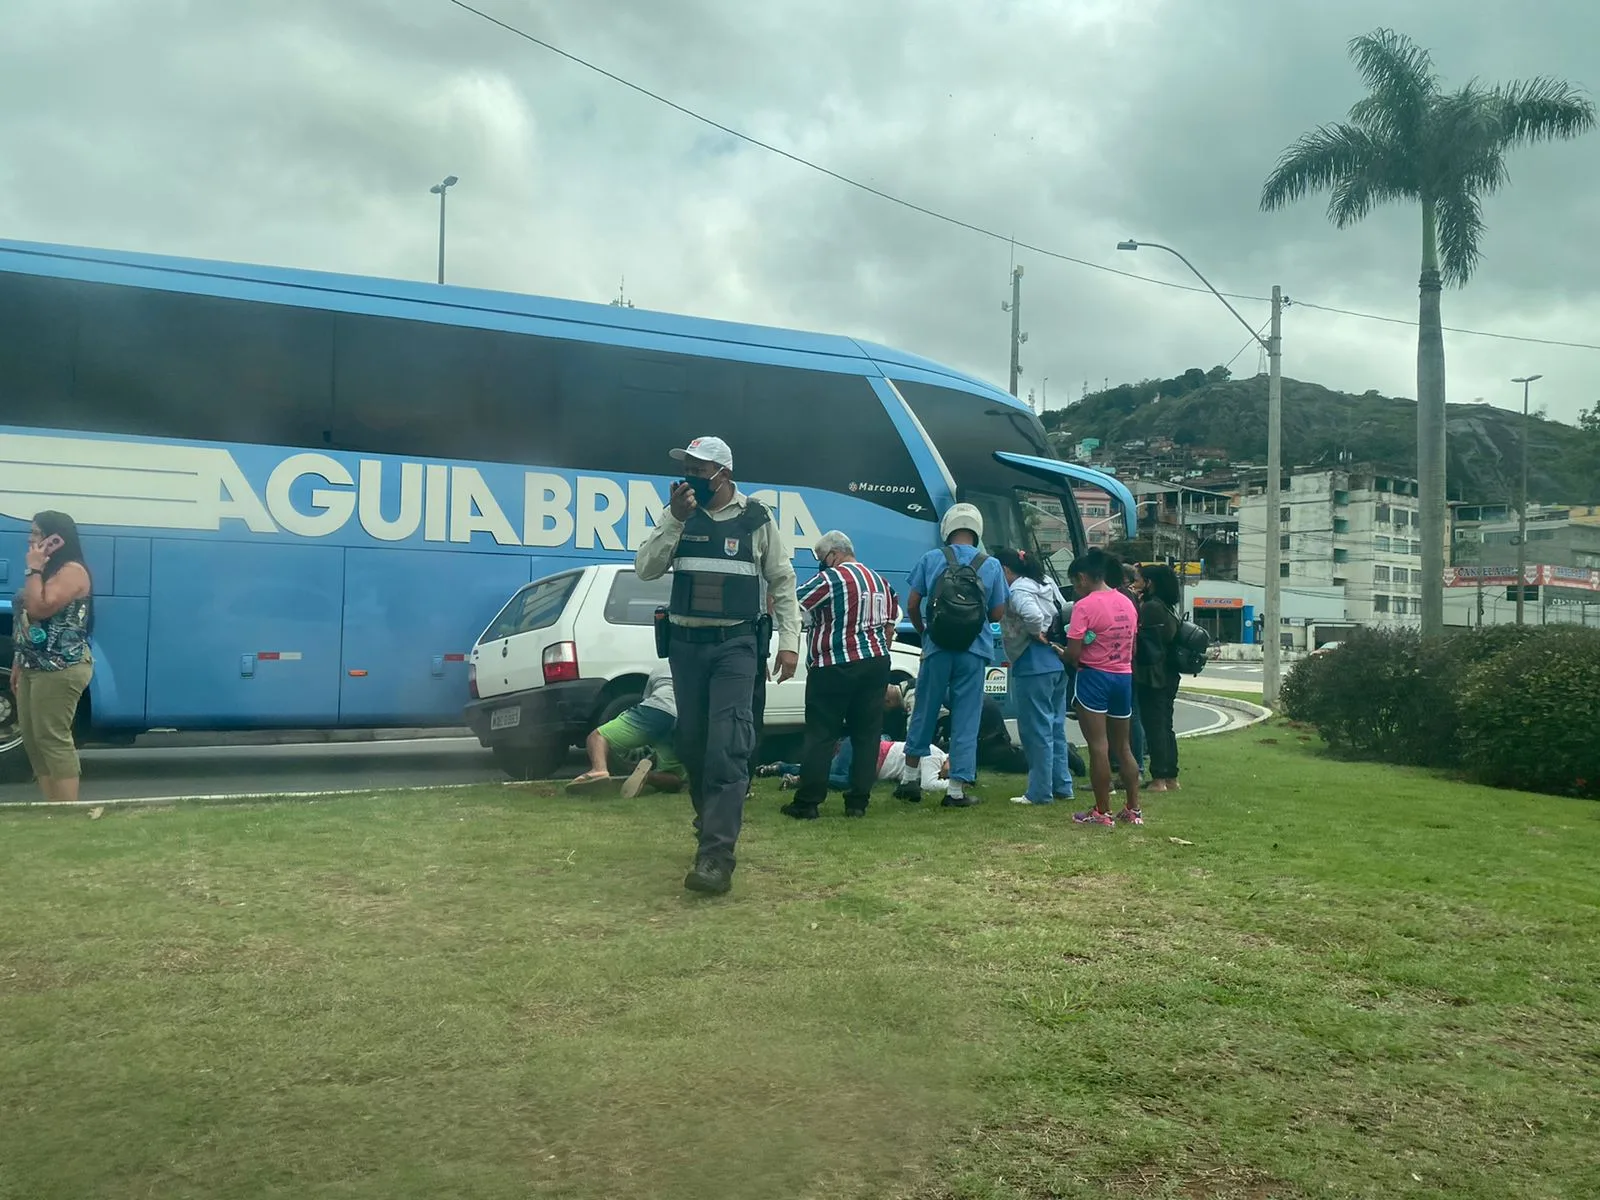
(852, 613)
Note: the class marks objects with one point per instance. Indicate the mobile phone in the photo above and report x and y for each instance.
(51, 544)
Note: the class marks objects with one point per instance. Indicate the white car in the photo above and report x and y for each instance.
(571, 651)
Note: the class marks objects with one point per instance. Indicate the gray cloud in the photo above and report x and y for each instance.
(307, 134)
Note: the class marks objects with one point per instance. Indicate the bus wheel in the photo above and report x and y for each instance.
(536, 761)
(13, 760)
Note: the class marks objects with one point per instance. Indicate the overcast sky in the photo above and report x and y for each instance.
(307, 133)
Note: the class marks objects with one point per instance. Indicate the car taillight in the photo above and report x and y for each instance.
(561, 662)
(472, 680)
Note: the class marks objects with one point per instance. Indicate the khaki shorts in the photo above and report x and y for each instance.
(47, 703)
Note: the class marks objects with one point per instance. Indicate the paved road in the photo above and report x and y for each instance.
(162, 767)
(1231, 672)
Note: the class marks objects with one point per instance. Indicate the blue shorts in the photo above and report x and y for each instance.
(1103, 692)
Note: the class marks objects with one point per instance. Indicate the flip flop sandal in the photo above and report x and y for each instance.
(595, 785)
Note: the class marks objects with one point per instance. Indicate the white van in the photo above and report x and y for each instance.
(570, 651)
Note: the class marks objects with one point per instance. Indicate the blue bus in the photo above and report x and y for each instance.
(303, 495)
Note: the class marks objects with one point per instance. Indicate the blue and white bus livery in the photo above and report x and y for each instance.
(303, 495)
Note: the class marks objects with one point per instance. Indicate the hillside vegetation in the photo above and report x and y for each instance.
(1206, 409)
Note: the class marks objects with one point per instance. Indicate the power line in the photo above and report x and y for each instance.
(957, 222)
(1506, 337)
(828, 171)
(1255, 341)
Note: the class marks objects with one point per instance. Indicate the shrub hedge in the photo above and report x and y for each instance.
(1515, 706)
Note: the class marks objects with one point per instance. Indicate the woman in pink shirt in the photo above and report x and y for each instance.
(1100, 642)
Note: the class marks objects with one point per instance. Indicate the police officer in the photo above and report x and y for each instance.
(721, 546)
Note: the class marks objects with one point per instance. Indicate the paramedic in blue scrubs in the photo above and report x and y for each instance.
(951, 677)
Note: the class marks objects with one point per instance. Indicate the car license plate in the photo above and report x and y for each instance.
(996, 681)
(505, 718)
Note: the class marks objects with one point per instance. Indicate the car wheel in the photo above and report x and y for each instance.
(537, 760)
(13, 759)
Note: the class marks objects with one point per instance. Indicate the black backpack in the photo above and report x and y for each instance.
(1189, 648)
(959, 607)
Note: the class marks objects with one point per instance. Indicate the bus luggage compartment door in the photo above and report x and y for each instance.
(218, 609)
(410, 619)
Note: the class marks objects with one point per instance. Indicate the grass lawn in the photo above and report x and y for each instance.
(1343, 981)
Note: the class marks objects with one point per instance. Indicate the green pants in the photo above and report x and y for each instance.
(47, 703)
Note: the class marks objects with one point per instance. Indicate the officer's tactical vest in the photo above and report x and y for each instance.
(714, 571)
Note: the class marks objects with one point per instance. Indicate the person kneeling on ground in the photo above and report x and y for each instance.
(647, 726)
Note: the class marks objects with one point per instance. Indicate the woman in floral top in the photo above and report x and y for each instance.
(50, 660)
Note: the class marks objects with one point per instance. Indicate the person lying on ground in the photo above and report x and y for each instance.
(935, 769)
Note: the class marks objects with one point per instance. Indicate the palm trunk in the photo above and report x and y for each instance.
(1431, 430)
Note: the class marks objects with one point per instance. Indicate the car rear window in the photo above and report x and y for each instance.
(536, 606)
(633, 601)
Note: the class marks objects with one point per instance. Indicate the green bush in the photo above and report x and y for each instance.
(1389, 696)
(1530, 715)
(1383, 694)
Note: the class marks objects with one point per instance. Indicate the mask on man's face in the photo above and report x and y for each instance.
(703, 490)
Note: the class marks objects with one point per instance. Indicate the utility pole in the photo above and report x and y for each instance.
(1522, 502)
(1183, 552)
(1014, 307)
(439, 189)
(1272, 618)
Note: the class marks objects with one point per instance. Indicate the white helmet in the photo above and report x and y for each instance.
(961, 516)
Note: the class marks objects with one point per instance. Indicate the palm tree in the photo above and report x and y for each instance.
(1408, 140)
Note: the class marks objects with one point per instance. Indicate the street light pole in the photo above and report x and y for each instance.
(1272, 587)
(1522, 501)
(439, 189)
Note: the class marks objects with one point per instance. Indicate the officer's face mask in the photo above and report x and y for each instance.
(703, 489)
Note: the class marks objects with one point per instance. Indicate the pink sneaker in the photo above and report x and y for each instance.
(1093, 817)
(1131, 816)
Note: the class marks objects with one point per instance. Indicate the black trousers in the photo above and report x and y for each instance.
(714, 683)
(1155, 711)
(844, 699)
(758, 717)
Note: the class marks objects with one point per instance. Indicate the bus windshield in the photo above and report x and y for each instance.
(1018, 512)
(1027, 519)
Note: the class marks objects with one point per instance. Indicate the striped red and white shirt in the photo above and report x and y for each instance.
(851, 610)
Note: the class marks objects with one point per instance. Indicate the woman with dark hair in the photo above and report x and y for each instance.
(1100, 640)
(1125, 578)
(1155, 673)
(50, 660)
(1036, 610)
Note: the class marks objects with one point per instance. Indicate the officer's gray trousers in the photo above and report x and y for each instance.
(714, 683)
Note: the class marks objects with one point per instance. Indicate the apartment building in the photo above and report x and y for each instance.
(1355, 527)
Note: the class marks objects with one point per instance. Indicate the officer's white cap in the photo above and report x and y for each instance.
(961, 516)
(707, 449)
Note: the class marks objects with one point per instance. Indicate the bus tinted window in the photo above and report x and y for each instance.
(179, 365)
(37, 323)
(969, 428)
(412, 388)
(118, 359)
(633, 601)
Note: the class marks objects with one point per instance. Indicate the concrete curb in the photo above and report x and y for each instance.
(1254, 712)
